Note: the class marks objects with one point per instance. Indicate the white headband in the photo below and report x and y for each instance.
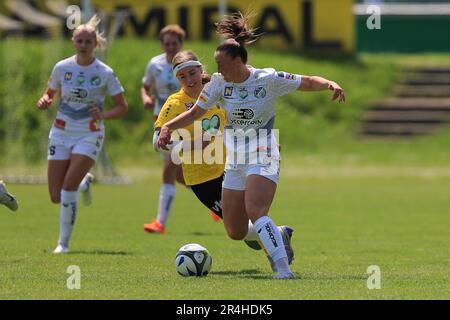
(191, 63)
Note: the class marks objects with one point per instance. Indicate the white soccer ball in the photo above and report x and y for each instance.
(193, 260)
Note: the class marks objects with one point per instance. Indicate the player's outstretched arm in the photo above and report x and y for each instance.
(183, 120)
(314, 83)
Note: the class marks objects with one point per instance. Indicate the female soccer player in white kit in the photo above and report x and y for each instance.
(160, 81)
(76, 137)
(248, 95)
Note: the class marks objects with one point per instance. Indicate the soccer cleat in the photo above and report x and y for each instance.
(155, 227)
(6, 198)
(61, 249)
(285, 275)
(214, 216)
(286, 234)
(87, 195)
(254, 244)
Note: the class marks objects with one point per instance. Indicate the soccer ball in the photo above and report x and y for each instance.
(193, 260)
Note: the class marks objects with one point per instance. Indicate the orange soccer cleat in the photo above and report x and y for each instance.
(155, 227)
(214, 216)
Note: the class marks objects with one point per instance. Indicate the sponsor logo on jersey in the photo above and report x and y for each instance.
(228, 92)
(189, 105)
(244, 117)
(68, 76)
(79, 93)
(96, 81)
(243, 113)
(288, 76)
(260, 92)
(243, 93)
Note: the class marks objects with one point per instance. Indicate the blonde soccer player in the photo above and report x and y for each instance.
(77, 134)
(158, 84)
(248, 95)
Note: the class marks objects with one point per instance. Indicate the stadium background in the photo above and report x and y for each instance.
(364, 197)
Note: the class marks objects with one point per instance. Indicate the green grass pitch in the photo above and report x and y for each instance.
(344, 221)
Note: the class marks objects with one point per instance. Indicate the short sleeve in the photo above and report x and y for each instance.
(54, 82)
(285, 83)
(211, 93)
(168, 112)
(148, 79)
(113, 85)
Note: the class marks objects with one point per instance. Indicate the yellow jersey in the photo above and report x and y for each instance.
(215, 119)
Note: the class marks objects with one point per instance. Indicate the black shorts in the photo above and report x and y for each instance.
(210, 194)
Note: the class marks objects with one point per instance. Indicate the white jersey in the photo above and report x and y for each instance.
(250, 104)
(81, 87)
(159, 75)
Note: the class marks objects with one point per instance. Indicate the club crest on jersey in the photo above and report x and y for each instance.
(243, 93)
(189, 105)
(228, 92)
(80, 79)
(260, 92)
(68, 76)
(96, 81)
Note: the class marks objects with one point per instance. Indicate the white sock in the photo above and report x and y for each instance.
(272, 241)
(252, 234)
(68, 214)
(83, 185)
(166, 196)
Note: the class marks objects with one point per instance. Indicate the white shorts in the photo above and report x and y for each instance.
(62, 145)
(236, 174)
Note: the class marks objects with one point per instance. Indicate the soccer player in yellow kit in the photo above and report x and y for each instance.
(199, 176)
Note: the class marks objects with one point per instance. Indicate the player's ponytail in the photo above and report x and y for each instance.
(92, 27)
(237, 34)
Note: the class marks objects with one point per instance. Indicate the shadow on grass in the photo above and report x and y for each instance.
(247, 274)
(204, 233)
(102, 252)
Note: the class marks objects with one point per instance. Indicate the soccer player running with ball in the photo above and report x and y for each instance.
(248, 95)
(77, 134)
(204, 178)
(158, 84)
